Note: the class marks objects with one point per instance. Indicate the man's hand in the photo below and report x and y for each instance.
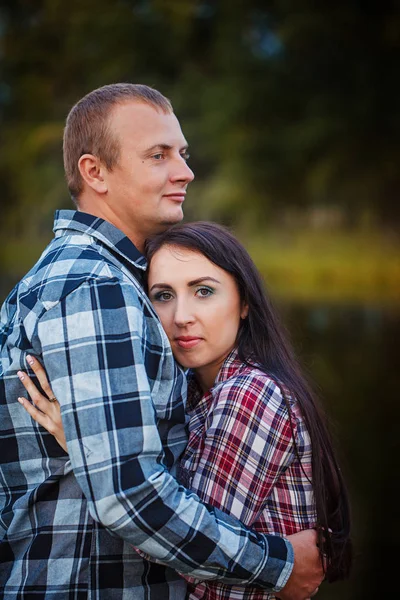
(308, 571)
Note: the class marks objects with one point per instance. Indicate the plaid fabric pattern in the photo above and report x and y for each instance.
(68, 523)
(241, 458)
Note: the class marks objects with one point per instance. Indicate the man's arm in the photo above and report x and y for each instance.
(93, 353)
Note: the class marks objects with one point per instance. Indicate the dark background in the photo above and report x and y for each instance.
(292, 112)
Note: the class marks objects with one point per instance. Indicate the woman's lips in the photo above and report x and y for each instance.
(187, 342)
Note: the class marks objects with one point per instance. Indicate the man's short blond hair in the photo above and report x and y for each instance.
(87, 128)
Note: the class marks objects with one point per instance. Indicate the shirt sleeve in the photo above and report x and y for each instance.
(95, 356)
(247, 445)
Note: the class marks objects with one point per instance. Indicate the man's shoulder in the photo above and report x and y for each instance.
(67, 263)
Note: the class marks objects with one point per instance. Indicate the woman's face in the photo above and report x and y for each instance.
(199, 307)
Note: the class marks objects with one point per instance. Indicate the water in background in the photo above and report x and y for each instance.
(352, 353)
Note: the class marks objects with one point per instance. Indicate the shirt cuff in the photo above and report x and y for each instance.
(279, 564)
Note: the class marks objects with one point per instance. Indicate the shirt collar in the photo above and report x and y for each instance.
(231, 366)
(105, 232)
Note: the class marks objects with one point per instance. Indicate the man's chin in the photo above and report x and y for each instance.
(167, 223)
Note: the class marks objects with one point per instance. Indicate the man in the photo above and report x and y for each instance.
(69, 527)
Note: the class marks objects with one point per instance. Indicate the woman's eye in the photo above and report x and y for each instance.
(185, 155)
(204, 292)
(163, 296)
(158, 156)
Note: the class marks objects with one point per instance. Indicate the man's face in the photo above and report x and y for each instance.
(147, 188)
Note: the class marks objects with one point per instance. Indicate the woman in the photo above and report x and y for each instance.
(258, 445)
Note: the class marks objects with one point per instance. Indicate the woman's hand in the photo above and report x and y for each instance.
(45, 411)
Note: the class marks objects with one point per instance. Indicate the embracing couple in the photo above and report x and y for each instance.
(176, 450)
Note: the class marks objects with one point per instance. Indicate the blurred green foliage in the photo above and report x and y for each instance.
(288, 105)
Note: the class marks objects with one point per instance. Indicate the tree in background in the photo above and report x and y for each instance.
(286, 104)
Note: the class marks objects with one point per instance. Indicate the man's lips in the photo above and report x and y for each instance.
(187, 341)
(177, 196)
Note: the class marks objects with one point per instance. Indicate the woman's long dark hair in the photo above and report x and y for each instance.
(262, 339)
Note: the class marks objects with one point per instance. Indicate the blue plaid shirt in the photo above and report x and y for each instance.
(69, 524)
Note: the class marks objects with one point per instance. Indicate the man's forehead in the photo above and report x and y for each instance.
(150, 124)
(135, 109)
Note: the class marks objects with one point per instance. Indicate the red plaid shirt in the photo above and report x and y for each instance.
(241, 458)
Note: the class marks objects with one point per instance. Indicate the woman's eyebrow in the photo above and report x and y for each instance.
(165, 286)
(201, 279)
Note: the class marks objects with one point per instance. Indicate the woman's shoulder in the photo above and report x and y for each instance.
(257, 400)
(252, 385)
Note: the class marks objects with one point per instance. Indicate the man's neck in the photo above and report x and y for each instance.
(105, 212)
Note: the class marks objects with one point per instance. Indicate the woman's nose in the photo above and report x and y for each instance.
(183, 314)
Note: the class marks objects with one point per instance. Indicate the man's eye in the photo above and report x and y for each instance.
(185, 155)
(158, 156)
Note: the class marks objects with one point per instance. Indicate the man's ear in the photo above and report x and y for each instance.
(245, 311)
(92, 172)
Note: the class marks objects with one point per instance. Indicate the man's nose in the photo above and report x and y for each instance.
(182, 171)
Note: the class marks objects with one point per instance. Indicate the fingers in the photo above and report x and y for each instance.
(40, 374)
(36, 415)
(38, 399)
(45, 411)
(51, 422)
